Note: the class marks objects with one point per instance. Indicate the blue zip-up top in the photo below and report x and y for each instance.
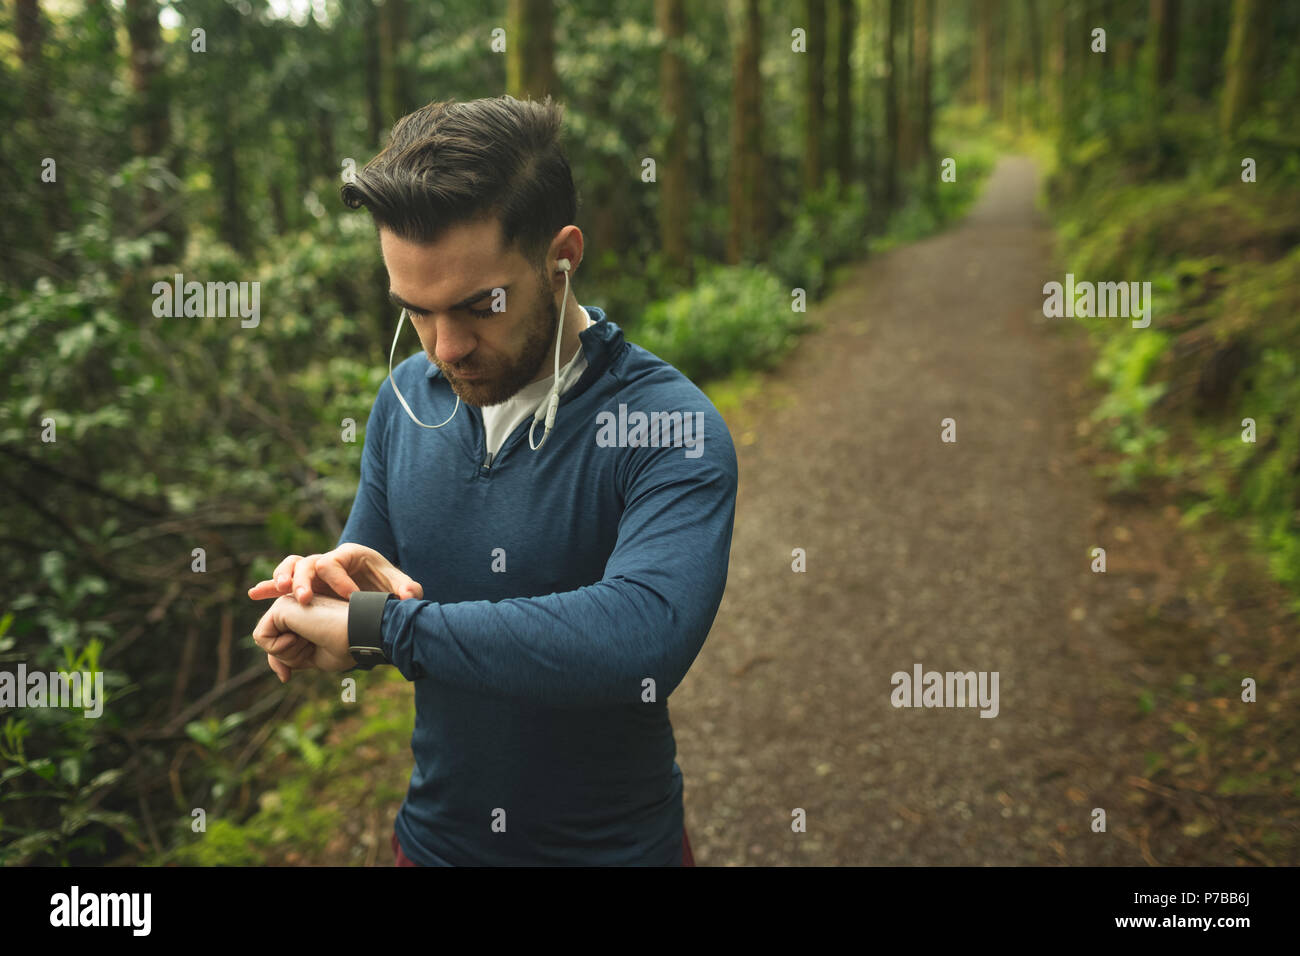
(566, 593)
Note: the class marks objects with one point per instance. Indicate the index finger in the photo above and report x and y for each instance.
(263, 590)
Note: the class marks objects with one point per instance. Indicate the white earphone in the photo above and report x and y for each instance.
(545, 411)
(548, 410)
(394, 384)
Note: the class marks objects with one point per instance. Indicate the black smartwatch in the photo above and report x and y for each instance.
(365, 638)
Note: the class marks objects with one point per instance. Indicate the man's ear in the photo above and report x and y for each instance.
(567, 245)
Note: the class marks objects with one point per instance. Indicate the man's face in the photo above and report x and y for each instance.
(486, 358)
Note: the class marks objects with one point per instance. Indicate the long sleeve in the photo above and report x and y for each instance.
(368, 522)
(647, 617)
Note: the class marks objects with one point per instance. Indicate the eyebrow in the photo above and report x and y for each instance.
(474, 297)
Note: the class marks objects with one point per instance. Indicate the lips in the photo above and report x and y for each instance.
(459, 376)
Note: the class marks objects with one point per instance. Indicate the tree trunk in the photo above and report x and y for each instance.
(375, 124)
(906, 108)
(1241, 62)
(151, 123)
(151, 129)
(814, 95)
(225, 175)
(1078, 49)
(1164, 54)
(29, 27)
(844, 30)
(395, 84)
(870, 105)
(530, 49)
(747, 233)
(982, 64)
(891, 107)
(923, 17)
(674, 173)
(1035, 34)
(704, 185)
(1009, 67)
(1059, 26)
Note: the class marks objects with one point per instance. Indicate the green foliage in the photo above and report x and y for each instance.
(1160, 200)
(827, 229)
(929, 202)
(289, 814)
(733, 318)
(60, 781)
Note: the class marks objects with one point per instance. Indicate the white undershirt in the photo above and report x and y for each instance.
(500, 420)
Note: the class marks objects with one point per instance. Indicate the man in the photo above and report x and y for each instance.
(543, 563)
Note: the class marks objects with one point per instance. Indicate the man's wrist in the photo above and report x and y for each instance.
(365, 628)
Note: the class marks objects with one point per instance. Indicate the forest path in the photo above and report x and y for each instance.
(971, 556)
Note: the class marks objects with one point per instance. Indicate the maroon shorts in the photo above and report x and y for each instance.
(688, 859)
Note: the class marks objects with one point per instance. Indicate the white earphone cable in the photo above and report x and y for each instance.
(548, 409)
(391, 352)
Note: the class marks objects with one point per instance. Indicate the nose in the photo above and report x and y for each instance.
(452, 342)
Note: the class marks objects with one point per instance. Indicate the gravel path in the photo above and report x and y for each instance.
(965, 556)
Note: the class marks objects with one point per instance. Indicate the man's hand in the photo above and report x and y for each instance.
(298, 638)
(349, 567)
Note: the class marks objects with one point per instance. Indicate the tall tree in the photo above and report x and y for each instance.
(394, 74)
(906, 153)
(151, 128)
(226, 117)
(675, 191)
(1034, 32)
(845, 25)
(1009, 66)
(1077, 48)
(373, 71)
(1242, 62)
(1164, 53)
(922, 25)
(982, 58)
(29, 26)
(747, 229)
(530, 49)
(892, 27)
(1057, 46)
(814, 94)
(871, 97)
(151, 121)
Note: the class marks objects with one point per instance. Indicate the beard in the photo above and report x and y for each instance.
(501, 381)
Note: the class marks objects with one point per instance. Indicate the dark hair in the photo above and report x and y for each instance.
(450, 163)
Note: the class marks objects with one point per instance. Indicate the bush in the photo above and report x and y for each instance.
(737, 317)
(1163, 202)
(826, 230)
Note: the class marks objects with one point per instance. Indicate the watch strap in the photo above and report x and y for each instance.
(365, 632)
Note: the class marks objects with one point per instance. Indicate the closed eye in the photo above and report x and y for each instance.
(480, 313)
